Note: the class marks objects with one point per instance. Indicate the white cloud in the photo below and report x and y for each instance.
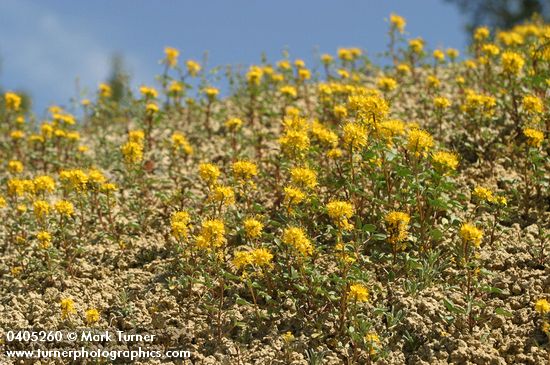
(44, 56)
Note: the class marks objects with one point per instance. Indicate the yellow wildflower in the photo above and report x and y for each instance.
(64, 208)
(441, 102)
(293, 196)
(542, 306)
(303, 176)
(532, 104)
(193, 67)
(534, 137)
(373, 342)
(12, 101)
(358, 293)
(212, 234)
(416, 45)
(171, 56)
(132, 152)
(180, 225)
(253, 228)
(15, 167)
(512, 62)
(397, 22)
(223, 195)
(471, 234)
(445, 161)
(419, 142)
(397, 226)
(209, 173)
(355, 135)
(92, 316)
(340, 212)
(233, 124)
(386, 83)
(296, 238)
(67, 308)
(244, 170)
(41, 209)
(180, 143)
(481, 33)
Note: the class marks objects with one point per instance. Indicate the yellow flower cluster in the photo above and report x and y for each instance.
(295, 140)
(297, 239)
(209, 173)
(397, 226)
(355, 136)
(349, 54)
(180, 225)
(18, 187)
(181, 144)
(212, 234)
(303, 177)
(358, 293)
(419, 142)
(148, 92)
(233, 124)
(171, 56)
(390, 129)
(15, 167)
(67, 308)
(398, 22)
(479, 103)
(532, 104)
(441, 102)
(211, 93)
(416, 45)
(105, 91)
(369, 106)
(373, 342)
(132, 152)
(74, 180)
(12, 101)
(224, 195)
(193, 67)
(91, 316)
(469, 233)
(324, 135)
(253, 228)
(64, 208)
(340, 212)
(254, 75)
(44, 239)
(258, 257)
(542, 306)
(512, 62)
(386, 83)
(244, 170)
(445, 161)
(534, 137)
(486, 195)
(293, 196)
(481, 33)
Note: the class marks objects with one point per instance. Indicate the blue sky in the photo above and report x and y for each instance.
(46, 45)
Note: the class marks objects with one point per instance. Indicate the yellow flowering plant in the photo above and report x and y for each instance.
(330, 203)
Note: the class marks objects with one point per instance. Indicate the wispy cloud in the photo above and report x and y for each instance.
(44, 55)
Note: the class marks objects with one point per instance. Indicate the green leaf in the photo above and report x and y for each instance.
(503, 312)
(491, 289)
(241, 301)
(379, 236)
(369, 228)
(436, 234)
